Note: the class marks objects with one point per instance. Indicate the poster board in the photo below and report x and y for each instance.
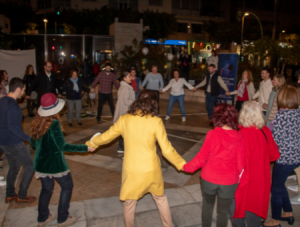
(228, 68)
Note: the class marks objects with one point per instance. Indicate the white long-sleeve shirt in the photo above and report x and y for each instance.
(263, 94)
(208, 89)
(177, 86)
(213, 60)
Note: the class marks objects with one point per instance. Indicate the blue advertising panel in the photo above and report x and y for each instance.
(167, 42)
(228, 68)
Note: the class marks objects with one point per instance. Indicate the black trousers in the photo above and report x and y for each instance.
(101, 99)
(238, 105)
(31, 105)
(157, 99)
(186, 74)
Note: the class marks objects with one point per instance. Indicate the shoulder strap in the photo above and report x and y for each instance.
(264, 134)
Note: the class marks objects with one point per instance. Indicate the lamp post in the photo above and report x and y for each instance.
(45, 22)
(261, 29)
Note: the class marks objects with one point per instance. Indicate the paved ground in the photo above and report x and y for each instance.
(97, 178)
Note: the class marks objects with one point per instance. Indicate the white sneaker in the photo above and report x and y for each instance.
(1, 177)
(183, 119)
(120, 151)
(295, 200)
(167, 118)
(2, 183)
(293, 188)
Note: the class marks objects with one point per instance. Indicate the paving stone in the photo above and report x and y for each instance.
(145, 204)
(186, 215)
(195, 191)
(102, 208)
(116, 221)
(148, 219)
(178, 196)
(174, 177)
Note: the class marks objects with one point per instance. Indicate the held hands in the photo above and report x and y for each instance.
(142, 88)
(227, 93)
(90, 149)
(27, 97)
(265, 106)
(59, 95)
(160, 91)
(92, 90)
(195, 89)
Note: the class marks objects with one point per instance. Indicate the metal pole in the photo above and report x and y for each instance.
(55, 27)
(83, 47)
(45, 47)
(45, 27)
(261, 28)
(243, 18)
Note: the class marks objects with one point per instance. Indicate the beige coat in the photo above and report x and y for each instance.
(274, 108)
(250, 89)
(126, 97)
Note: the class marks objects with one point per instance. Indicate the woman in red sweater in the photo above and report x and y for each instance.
(222, 160)
(253, 193)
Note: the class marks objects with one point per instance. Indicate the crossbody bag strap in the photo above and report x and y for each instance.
(264, 134)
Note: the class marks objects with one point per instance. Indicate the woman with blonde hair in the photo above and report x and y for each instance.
(286, 133)
(278, 82)
(251, 202)
(245, 89)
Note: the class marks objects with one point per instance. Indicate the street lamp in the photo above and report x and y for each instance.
(261, 29)
(45, 22)
(283, 31)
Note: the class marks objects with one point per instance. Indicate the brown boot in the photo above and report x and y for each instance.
(10, 199)
(29, 199)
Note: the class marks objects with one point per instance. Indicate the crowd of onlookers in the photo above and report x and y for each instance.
(262, 130)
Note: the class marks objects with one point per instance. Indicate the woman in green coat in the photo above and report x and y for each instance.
(49, 161)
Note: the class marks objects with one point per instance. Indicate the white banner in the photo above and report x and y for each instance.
(14, 62)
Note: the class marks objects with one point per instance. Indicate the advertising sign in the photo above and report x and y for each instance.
(228, 68)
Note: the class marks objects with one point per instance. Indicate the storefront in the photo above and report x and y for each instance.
(200, 50)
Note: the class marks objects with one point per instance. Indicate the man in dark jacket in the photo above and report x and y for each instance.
(213, 83)
(11, 142)
(185, 59)
(44, 83)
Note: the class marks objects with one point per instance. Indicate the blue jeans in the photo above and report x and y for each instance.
(66, 184)
(210, 103)
(16, 155)
(280, 197)
(180, 100)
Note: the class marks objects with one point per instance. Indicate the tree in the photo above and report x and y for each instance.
(222, 32)
(5, 40)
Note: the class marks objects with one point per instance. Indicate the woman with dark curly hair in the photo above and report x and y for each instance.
(222, 160)
(4, 90)
(141, 172)
(49, 161)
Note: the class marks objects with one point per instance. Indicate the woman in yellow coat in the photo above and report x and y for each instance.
(141, 173)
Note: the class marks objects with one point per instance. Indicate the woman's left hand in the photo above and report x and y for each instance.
(90, 149)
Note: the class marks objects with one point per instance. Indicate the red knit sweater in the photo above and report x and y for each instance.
(221, 157)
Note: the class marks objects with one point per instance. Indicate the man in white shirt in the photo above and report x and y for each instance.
(213, 59)
(213, 82)
(265, 89)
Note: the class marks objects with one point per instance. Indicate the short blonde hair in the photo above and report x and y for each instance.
(251, 115)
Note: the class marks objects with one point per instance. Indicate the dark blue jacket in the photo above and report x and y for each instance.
(11, 123)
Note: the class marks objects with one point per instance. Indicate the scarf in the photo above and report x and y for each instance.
(241, 89)
(75, 84)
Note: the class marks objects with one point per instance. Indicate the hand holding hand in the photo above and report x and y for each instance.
(59, 95)
(27, 97)
(195, 89)
(252, 99)
(228, 93)
(92, 90)
(265, 106)
(141, 87)
(90, 149)
(160, 91)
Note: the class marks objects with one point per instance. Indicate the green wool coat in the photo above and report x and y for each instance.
(49, 154)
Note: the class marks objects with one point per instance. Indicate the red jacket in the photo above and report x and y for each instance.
(221, 157)
(253, 192)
